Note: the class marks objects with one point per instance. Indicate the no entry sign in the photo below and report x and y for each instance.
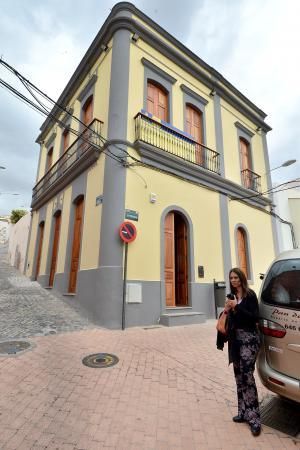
(127, 232)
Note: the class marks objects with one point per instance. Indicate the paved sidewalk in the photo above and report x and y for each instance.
(26, 309)
(170, 390)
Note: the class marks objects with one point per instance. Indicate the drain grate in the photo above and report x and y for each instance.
(283, 415)
(13, 347)
(100, 360)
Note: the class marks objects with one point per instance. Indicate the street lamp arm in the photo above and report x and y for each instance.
(287, 163)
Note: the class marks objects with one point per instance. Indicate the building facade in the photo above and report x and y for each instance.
(146, 131)
(287, 204)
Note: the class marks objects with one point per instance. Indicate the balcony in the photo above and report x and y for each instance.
(251, 180)
(80, 155)
(164, 137)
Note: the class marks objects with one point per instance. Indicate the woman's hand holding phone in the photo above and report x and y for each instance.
(231, 302)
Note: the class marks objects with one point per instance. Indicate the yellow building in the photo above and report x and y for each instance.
(146, 131)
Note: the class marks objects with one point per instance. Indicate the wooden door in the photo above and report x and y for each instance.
(181, 262)
(40, 245)
(242, 251)
(55, 248)
(76, 245)
(194, 128)
(169, 260)
(157, 101)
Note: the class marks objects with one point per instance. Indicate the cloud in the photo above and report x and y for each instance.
(254, 45)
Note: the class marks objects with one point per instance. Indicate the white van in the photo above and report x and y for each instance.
(278, 362)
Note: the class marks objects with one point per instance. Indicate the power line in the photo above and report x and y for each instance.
(269, 191)
(26, 82)
(42, 111)
(41, 108)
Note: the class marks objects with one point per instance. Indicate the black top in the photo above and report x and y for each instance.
(245, 314)
(245, 317)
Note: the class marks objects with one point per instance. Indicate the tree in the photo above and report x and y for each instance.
(17, 214)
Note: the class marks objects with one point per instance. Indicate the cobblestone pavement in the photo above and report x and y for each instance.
(171, 390)
(26, 309)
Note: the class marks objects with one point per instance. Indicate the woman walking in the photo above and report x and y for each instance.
(243, 344)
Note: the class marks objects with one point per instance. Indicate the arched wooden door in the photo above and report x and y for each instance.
(76, 245)
(169, 260)
(181, 261)
(194, 127)
(55, 247)
(40, 245)
(176, 260)
(242, 251)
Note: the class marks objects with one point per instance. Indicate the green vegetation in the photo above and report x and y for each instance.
(17, 214)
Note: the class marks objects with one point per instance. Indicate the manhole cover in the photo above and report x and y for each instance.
(283, 415)
(100, 360)
(13, 347)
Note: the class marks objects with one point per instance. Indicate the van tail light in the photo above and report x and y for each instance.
(275, 381)
(270, 328)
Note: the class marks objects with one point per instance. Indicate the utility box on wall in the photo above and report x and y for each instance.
(134, 293)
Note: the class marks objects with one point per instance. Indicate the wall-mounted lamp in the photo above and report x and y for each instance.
(212, 92)
(135, 37)
(104, 47)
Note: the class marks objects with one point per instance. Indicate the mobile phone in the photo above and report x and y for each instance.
(230, 296)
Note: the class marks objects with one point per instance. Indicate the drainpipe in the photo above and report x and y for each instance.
(290, 225)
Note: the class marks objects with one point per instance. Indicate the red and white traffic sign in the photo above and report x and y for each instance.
(127, 232)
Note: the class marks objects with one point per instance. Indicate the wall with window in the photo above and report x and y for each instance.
(137, 94)
(260, 248)
(201, 205)
(99, 89)
(235, 127)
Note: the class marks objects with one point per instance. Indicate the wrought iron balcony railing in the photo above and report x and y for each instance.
(251, 180)
(80, 148)
(173, 141)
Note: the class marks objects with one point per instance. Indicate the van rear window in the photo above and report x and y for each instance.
(282, 284)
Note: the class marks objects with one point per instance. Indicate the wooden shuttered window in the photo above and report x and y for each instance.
(194, 126)
(157, 101)
(242, 246)
(49, 159)
(245, 154)
(66, 140)
(87, 109)
(194, 123)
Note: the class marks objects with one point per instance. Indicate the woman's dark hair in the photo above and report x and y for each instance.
(243, 280)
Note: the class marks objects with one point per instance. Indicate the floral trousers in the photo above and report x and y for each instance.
(248, 407)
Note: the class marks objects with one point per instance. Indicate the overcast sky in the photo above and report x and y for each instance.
(254, 44)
